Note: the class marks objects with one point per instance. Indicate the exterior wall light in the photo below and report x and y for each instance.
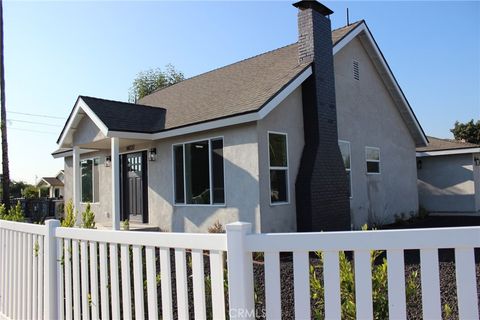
(108, 161)
(476, 160)
(152, 154)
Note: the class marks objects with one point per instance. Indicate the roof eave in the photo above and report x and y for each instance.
(433, 153)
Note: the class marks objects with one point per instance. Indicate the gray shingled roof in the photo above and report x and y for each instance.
(239, 88)
(437, 144)
(242, 87)
(127, 117)
(53, 181)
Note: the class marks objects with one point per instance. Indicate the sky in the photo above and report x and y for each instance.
(57, 50)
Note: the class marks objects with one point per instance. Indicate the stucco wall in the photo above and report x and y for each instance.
(367, 116)
(241, 184)
(103, 207)
(286, 118)
(446, 183)
(87, 132)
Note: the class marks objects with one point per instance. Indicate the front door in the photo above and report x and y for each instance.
(134, 187)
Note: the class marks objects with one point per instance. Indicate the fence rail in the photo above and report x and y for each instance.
(49, 272)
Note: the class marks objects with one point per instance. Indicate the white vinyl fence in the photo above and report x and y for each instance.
(49, 272)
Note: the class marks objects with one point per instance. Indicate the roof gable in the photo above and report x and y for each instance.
(246, 90)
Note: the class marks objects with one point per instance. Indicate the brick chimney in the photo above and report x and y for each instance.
(321, 186)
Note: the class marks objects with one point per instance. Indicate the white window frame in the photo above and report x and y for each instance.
(379, 160)
(280, 203)
(93, 181)
(350, 169)
(211, 204)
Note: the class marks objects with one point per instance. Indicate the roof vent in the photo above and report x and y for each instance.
(356, 72)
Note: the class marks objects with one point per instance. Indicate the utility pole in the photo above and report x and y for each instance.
(3, 115)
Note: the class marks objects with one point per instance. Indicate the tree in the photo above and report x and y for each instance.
(469, 131)
(151, 80)
(30, 192)
(3, 123)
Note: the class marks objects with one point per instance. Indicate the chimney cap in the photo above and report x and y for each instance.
(314, 5)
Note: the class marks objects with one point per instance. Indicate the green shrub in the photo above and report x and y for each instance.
(88, 218)
(69, 216)
(347, 286)
(15, 213)
(30, 192)
(125, 225)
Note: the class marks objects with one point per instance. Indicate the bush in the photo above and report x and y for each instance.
(69, 216)
(15, 213)
(88, 218)
(217, 227)
(347, 286)
(30, 192)
(125, 225)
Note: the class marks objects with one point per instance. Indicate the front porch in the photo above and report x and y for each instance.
(106, 166)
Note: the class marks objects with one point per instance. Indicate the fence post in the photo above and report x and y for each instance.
(240, 272)
(50, 293)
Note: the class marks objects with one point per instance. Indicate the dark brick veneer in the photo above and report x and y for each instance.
(321, 185)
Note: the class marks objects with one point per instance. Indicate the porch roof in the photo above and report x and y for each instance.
(51, 181)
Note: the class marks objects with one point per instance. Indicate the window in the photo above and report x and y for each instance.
(346, 155)
(356, 71)
(373, 160)
(278, 160)
(198, 172)
(90, 180)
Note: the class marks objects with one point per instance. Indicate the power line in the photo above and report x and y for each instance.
(33, 122)
(34, 131)
(36, 115)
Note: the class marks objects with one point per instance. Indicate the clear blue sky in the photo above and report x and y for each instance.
(55, 51)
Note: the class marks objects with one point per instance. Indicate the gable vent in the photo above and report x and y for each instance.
(356, 72)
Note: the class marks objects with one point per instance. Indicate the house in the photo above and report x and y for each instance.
(316, 135)
(449, 176)
(54, 185)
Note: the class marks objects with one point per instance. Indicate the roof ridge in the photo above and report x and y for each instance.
(118, 101)
(349, 25)
(225, 66)
(246, 59)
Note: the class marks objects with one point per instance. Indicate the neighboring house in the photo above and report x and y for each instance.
(55, 185)
(449, 176)
(256, 141)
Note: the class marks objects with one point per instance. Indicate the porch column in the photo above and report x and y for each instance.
(76, 183)
(115, 184)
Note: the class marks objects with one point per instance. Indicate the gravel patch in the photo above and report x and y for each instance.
(414, 305)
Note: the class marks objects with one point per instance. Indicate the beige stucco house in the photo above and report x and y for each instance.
(53, 184)
(261, 140)
(449, 177)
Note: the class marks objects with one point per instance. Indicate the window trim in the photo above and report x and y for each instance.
(350, 169)
(287, 168)
(211, 204)
(378, 161)
(93, 184)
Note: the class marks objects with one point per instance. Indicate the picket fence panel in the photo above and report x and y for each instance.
(69, 273)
